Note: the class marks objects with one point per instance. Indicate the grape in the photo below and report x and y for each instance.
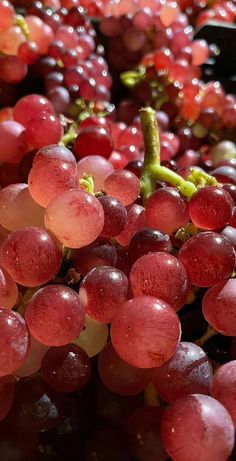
(98, 253)
(225, 174)
(40, 33)
(29, 105)
(136, 220)
(18, 209)
(145, 332)
(166, 210)
(93, 140)
(10, 148)
(101, 291)
(66, 368)
(230, 233)
(208, 258)
(37, 406)
(55, 315)
(33, 360)
(96, 166)
(75, 217)
(148, 241)
(43, 129)
(93, 337)
(8, 290)
(10, 40)
(7, 14)
(187, 372)
(200, 52)
(123, 185)
(144, 427)
(231, 189)
(28, 52)
(219, 307)
(13, 341)
(53, 172)
(120, 377)
(31, 256)
(115, 216)
(160, 275)
(211, 208)
(60, 99)
(12, 69)
(212, 432)
(224, 387)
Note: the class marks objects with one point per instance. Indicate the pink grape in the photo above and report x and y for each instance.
(29, 105)
(219, 307)
(8, 290)
(43, 129)
(123, 185)
(32, 363)
(224, 387)
(53, 172)
(7, 14)
(136, 220)
(18, 209)
(161, 275)
(12, 69)
(40, 33)
(102, 291)
(208, 258)
(28, 52)
(31, 256)
(167, 210)
(13, 341)
(7, 391)
(212, 432)
(200, 52)
(96, 166)
(115, 216)
(118, 376)
(66, 368)
(187, 372)
(211, 208)
(55, 315)
(10, 148)
(10, 40)
(145, 332)
(75, 217)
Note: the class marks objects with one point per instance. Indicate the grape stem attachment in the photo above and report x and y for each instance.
(209, 333)
(152, 170)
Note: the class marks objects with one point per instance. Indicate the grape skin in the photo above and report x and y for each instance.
(145, 332)
(219, 307)
(211, 436)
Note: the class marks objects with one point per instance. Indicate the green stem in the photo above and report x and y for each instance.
(152, 170)
(87, 184)
(68, 138)
(152, 150)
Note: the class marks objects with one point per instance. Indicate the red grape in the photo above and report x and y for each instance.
(55, 315)
(145, 332)
(123, 185)
(211, 208)
(66, 368)
(31, 256)
(219, 307)
(102, 291)
(161, 275)
(187, 372)
(197, 427)
(224, 387)
(208, 258)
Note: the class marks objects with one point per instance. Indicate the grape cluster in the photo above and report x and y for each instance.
(117, 235)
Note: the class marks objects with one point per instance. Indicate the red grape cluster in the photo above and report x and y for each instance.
(117, 238)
